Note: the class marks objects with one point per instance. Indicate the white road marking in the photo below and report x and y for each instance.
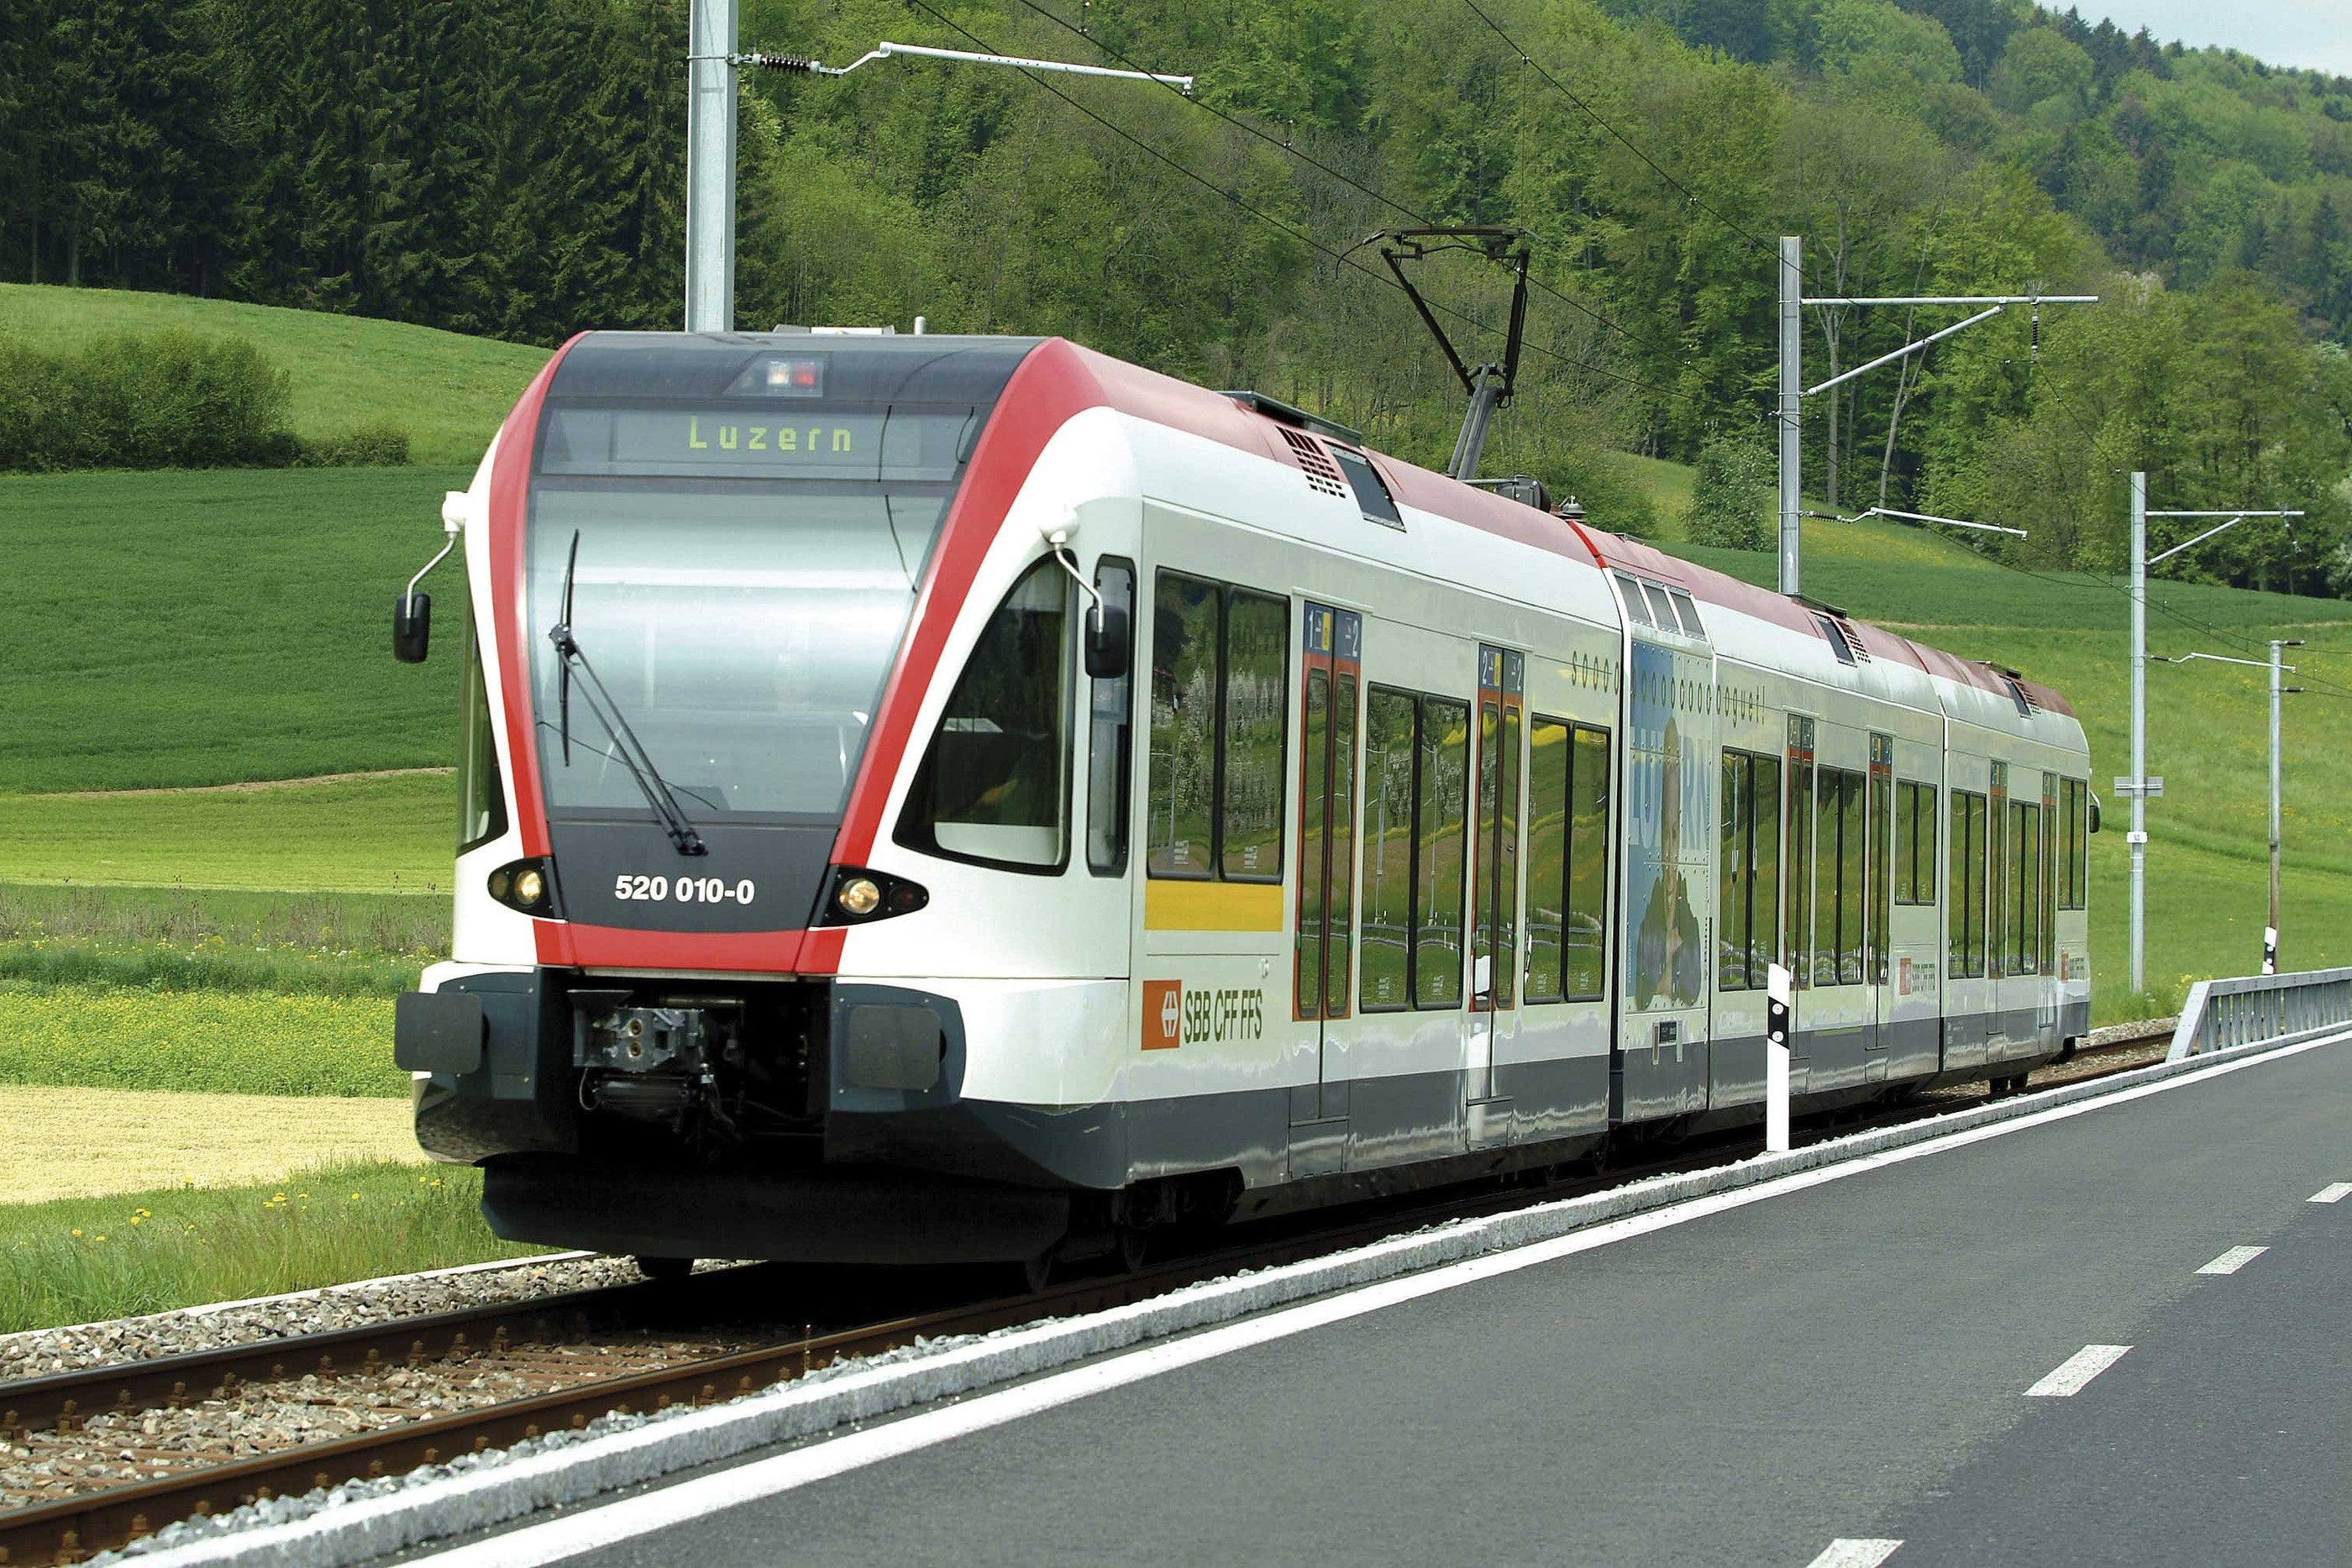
(1845, 1553)
(2077, 1370)
(2334, 1192)
(533, 1546)
(2235, 1259)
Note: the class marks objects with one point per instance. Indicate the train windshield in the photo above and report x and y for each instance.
(753, 514)
(743, 631)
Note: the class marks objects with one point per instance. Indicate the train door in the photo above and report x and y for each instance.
(1323, 949)
(1877, 912)
(1668, 913)
(1829, 861)
(1968, 989)
(1499, 737)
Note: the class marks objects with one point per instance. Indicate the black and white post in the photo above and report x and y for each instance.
(1779, 992)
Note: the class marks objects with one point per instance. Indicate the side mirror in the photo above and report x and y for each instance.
(1107, 640)
(412, 627)
(2094, 813)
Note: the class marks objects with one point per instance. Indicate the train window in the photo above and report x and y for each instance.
(1875, 915)
(1387, 951)
(1850, 871)
(1219, 678)
(1731, 874)
(2025, 894)
(1998, 909)
(1187, 630)
(1583, 964)
(993, 787)
(2073, 843)
(1637, 609)
(1548, 775)
(1110, 720)
(1661, 609)
(2046, 916)
(1964, 919)
(1372, 497)
(1495, 879)
(1257, 669)
(1750, 886)
(1764, 905)
(481, 794)
(1440, 813)
(1800, 869)
(1688, 612)
(1915, 843)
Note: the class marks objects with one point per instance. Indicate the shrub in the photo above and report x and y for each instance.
(363, 446)
(1731, 494)
(157, 400)
(1613, 498)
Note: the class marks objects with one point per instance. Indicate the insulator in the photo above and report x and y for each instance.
(791, 65)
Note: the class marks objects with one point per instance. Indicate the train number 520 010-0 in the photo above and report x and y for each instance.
(685, 889)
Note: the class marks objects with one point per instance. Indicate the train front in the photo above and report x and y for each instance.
(695, 563)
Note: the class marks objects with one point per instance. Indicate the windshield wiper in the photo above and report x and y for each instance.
(627, 746)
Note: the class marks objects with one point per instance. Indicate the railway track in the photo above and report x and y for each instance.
(512, 1372)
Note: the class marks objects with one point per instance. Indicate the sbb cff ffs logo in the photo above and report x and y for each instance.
(1170, 1018)
(1163, 1014)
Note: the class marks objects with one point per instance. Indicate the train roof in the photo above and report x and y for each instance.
(945, 368)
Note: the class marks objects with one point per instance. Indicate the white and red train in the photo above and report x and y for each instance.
(936, 797)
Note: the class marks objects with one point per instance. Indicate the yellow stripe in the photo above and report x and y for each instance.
(1211, 906)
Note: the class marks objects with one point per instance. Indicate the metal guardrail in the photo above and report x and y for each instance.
(2246, 1008)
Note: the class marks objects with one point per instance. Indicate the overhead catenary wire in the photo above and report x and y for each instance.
(1340, 257)
(1292, 151)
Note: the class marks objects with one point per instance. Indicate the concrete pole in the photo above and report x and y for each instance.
(711, 167)
(2271, 935)
(2138, 838)
(1793, 283)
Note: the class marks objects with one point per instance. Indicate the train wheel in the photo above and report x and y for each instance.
(1134, 1248)
(1037, 1272)
(665, 1271)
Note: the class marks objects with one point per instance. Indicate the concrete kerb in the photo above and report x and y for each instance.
(441, 1505)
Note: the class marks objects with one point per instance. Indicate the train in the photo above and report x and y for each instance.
(972, 800)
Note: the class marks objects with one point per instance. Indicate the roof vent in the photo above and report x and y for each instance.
(1321, 472)
(1843, 640)
(1273, 408)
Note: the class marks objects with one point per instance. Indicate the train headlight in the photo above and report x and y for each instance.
(528, 885)
(858, 895)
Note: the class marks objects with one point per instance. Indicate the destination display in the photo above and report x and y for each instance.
(739, 442)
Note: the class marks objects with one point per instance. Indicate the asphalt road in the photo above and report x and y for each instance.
(1845, 1362)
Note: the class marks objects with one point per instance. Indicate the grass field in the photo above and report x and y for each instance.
(79, 1259)
(206, 627)
(448, 392)
(184, 939)
(204, 1041)
(176, 1139)
(363, 835)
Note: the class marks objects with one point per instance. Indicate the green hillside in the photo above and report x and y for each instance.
(205, 627)
(448, 392)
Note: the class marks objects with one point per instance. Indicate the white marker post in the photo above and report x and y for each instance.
(1779, 988)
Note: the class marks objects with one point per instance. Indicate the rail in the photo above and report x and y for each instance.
(2247, 1009)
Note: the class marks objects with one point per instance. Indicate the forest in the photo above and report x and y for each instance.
(515, 168)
